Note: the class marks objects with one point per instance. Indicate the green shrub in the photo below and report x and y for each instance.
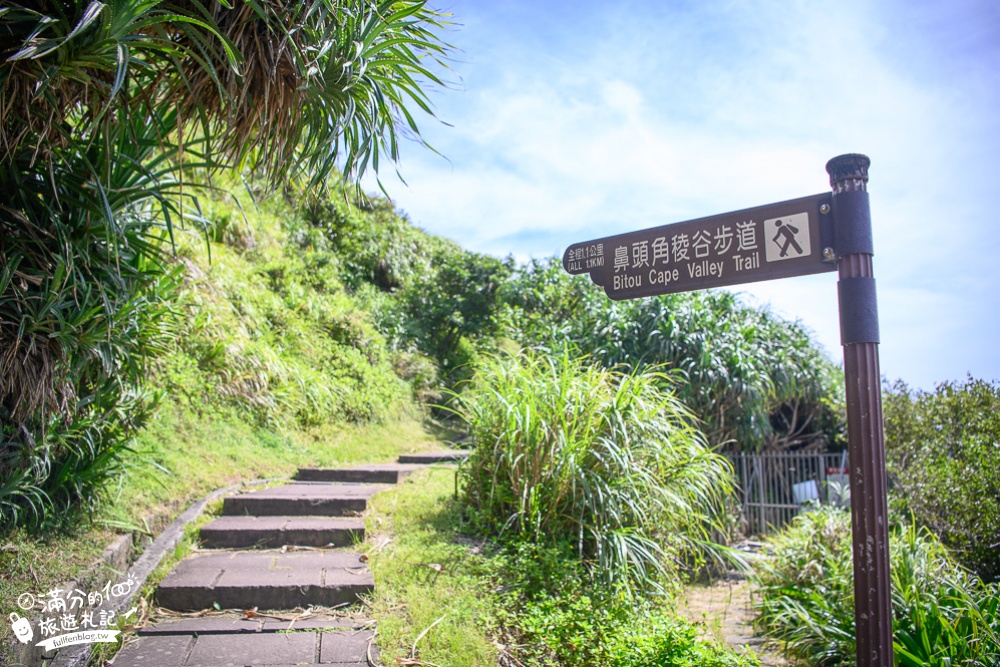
(661, 640)
(426, 294)
(941, 614)
(943, 450)
(607, 462)
(547, 613)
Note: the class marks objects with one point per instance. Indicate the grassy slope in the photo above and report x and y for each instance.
(271, 365)
(444, 598)
(427, 577)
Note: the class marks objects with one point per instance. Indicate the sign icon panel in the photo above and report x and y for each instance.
(787, 237)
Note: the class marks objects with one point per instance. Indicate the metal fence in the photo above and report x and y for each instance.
(774, 486)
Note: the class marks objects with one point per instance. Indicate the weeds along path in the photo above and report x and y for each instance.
(277, 580)
(724, 610)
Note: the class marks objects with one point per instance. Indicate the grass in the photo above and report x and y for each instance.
(427, 576)
(605, 461)
(445, 598)
(942, 615)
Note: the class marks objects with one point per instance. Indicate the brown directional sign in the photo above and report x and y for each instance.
(774, 241)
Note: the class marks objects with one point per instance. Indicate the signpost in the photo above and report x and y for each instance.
(774, 241)
(821, 233)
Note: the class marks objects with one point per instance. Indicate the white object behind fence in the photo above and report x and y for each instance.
(775, 485)
(803, 492)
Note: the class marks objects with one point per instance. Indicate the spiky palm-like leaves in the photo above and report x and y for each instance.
(101, 102)
(941, 614)
(287, 88)
(83, 296)
(319, 83)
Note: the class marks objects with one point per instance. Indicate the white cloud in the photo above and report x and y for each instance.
(673, 114)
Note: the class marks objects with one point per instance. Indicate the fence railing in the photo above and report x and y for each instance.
(774, 486)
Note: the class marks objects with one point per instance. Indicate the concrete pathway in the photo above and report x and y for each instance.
(286, 550)
(724, 610)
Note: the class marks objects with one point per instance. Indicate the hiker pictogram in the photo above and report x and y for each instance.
(787, 237)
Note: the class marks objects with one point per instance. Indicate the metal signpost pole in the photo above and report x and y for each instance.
(866, 441)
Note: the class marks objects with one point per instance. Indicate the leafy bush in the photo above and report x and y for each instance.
(605, 461)
(941, 614)
(455, 301)
(427, 294)
(943, 450)
(753, 379)
(547, 614)
(660, 640)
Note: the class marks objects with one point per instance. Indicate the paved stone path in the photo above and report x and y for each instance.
(287, 550)
(724, 609)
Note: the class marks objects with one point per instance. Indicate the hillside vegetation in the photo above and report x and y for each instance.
(297, 329)
(297, 310)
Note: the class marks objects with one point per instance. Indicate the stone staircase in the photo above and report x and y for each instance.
(249, 565)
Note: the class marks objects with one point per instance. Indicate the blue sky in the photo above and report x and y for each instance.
(575, 120)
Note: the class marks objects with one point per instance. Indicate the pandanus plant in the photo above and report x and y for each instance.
(104, 107)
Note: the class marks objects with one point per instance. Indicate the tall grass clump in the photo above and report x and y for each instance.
(941, 614)
(603, 462)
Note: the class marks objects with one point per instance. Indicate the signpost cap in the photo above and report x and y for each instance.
(849, 167)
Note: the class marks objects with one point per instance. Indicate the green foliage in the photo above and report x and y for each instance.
(272, 332)
(548, 614)
(103, 105)
(524, 604)
(806, 588)
(753, 379)
(410, 527)
(83, 303)
(605, 461)
(941, 614)
(350, 72)
(452, 304)
(377, 244)
(659, 640)
(943, 450)
(427, 294)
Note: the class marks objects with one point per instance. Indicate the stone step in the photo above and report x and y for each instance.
(264, 532)
(303, 499)
(382, 473)
(444, 456)
(278, 649)
(265, 580)
(235, 623)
